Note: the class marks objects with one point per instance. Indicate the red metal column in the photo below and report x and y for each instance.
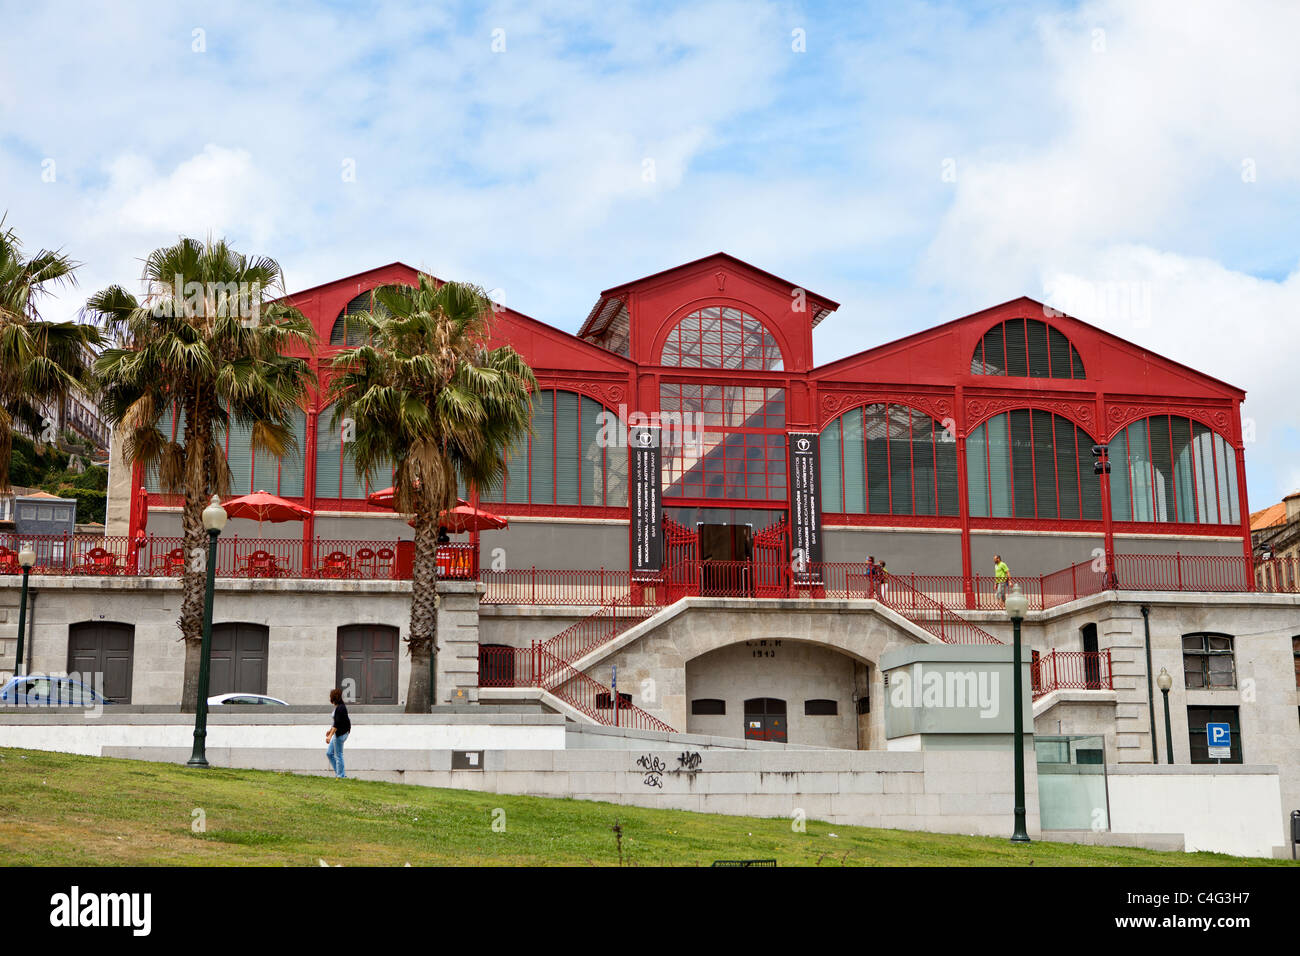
(1244, 510)
(963, 496)
(309, 488)
(1108, 529)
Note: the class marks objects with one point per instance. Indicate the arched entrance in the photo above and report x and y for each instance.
(780, 690)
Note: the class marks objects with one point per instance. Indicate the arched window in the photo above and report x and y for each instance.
(1031, 464)
(248, 472)
(721, 337)
(1026, 348)
(336, 476)
(888, 459)
(564, 461)
(347, 333)
(1171, 468)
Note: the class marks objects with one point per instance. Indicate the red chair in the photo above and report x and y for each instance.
(384, 562)
(99, 561)
(9, 561)
(337, 565)
(262, 564)
(365, 563)
(171, 564)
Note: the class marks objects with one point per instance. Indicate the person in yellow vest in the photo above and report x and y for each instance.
(1001, 575)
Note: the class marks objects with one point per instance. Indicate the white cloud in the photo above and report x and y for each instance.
(1115, 210)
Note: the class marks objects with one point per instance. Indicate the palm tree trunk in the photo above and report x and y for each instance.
(192, 591)
(424, 616)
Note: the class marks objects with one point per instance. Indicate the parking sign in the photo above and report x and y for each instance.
(1219, 739)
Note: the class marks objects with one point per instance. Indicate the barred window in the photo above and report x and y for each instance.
(1171, 468)
(563, 460)
(1030, 463)
(1026, 348)
(721, 337)
(1208, 661)
(888, 459)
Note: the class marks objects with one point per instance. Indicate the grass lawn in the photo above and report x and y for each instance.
(59, 809)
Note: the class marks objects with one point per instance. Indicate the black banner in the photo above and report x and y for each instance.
(647, 507)
(805, 507)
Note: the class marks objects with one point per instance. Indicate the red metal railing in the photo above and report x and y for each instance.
(1071, 670)
(592, 698)
(237, 557)
(1183, 572)
(558, 587)
(596, 629)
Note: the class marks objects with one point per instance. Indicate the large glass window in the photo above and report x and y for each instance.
(1027, 348)
(1171, 468)
(336, 476)
(720, 337)
(723, 441)
(563, 461)
(888, 459)
(248, 472)
(1030, 463)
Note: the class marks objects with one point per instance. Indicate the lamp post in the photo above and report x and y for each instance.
(26, 558)
(1016, 606)
(214, 520)
(1164, 682)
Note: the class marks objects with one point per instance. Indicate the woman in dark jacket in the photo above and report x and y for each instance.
(337, 733)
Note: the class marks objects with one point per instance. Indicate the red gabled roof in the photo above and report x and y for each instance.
(826, 305)
(508, 315)
(356, 276)
(916, 338)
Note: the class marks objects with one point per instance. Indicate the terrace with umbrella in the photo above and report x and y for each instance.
(262, 558)
(455, 559)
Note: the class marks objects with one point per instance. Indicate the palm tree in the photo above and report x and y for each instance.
(209, 340)
(425, 394)
(40, 361)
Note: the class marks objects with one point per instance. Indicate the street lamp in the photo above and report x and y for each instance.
(214, 520)
(26, 558)
(1164, 682)
(1016, 606)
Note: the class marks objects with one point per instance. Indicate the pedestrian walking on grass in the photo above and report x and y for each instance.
(338, 733)
(1001, 575)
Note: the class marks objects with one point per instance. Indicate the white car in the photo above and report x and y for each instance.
(245, 699)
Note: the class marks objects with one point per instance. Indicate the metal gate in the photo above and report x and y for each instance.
(770, 560)
(682, 560)
(765, 719)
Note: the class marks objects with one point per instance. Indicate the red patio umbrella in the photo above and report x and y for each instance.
(386, 498)
(260, 506)
(466, 518)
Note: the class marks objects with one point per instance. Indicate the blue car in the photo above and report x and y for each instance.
(41, 691)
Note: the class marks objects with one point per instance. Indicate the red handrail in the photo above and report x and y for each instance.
(1071, 670)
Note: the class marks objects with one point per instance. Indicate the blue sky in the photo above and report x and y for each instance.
(1137, 165)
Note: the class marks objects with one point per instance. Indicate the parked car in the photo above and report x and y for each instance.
(221, 699)
(37, 690)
